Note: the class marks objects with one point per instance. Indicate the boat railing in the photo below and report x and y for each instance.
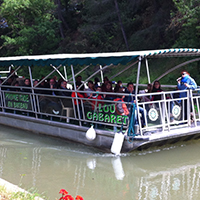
(171, 111)
(162, 115)
(100, 112)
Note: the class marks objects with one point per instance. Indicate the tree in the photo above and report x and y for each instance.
(140, 25)
(186, 22)
(32, 27)
(102, 27)
(121, 24)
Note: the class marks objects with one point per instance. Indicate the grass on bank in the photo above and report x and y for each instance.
(7, 195)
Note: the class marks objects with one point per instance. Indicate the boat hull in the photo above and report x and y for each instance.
(103, 140)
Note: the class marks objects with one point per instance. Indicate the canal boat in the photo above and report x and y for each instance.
(95, 121)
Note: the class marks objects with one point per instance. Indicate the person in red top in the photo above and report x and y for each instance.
(80, 95)
(121, 108)
(97, 96)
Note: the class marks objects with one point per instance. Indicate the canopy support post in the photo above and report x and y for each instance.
(65, 72)
(59, 72)
(101, 72)
(147, 68)
(75, 107)
(136, 90)
(33, 93)
(138, 75)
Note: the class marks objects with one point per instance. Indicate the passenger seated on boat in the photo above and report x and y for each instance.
(96, 96)
(44, 85)
(53, 86)
(27, 83)
(7, 83)
(65, 92)
(131, 99)
(185, 82)
(48, 84)
(13, 76)
(79, 78)
(16, 88)
(79, 95)
(105, 81)
(121, 108)
(157, 88)
(117, 86)
(109, 89)
(96, 82)
(35, 82)
(90, 88)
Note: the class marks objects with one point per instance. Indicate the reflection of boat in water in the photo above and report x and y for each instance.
(42, 112)
(168, 177)
(162, 174)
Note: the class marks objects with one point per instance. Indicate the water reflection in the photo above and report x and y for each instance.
(91, 163)
(117, 167)
(49, 164)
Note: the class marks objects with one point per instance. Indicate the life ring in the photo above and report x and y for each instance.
(176, 111)
(153, 114)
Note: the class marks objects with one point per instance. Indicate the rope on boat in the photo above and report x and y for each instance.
(131, 128)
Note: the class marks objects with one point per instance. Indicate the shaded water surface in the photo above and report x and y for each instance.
(49, 164)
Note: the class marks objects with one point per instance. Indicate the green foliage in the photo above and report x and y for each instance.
(187, 19)
(99, 25)
(144, 25)
(36, 26)
(18, 195)
(31, 26)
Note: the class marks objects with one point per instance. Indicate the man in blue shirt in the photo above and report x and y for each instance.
(185, 82)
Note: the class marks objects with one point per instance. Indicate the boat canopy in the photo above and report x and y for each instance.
(93, 58)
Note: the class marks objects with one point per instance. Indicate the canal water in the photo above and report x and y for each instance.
(46, 165)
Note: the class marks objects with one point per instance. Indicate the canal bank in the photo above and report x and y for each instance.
(8, 189)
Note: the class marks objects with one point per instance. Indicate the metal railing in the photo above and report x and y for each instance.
(165, 114)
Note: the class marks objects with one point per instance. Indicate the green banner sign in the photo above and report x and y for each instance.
(18, 101)
(107, 114)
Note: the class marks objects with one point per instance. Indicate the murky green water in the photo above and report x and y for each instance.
(49, 164)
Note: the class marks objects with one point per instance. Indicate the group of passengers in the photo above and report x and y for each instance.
(125, 96)
(42, 87)
(184, 82)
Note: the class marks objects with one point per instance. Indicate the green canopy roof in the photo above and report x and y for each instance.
(93, 58)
